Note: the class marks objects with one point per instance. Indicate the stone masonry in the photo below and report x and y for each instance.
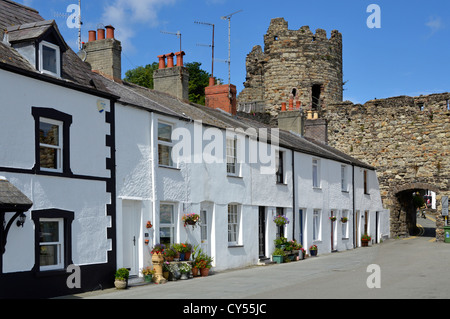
(295, 64)
(406, 138)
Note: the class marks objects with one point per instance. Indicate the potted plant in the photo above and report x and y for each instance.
(344, 220)
(166, 270)
(333, 218)
(149, 225)
(174, 272)
(190, 219)
(204, 263)
(278, 255)
(280, 242)
(121, 277)
(302, 254)
(158, 249)
(185, 269)
(281, 220)
(313, 250)
(365, 239)
(148, 273)
(187, 249)
(169, 254)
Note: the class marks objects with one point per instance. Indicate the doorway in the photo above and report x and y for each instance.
(262, 232)
(131, 236)
(205, 227)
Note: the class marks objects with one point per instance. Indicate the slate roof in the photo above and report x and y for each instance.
(19, 18)
(12, 199)
(21, 23)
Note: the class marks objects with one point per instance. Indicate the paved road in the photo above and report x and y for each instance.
(414, 268)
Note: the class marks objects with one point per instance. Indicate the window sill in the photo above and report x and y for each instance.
(282, 184)
(235, 246)
(169, 167)
(234, 176)
(317, 188)
(345, 192)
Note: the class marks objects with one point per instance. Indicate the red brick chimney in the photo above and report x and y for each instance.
(222, 97)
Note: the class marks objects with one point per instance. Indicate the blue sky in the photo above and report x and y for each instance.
(408, 55)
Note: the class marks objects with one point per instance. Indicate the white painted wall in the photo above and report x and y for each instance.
(86, 198)
(191, 186)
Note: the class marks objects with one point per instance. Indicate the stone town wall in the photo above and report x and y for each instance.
(406, 138)
(293, 62)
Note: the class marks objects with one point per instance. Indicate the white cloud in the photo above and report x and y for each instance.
(435, 24)
(127, 15)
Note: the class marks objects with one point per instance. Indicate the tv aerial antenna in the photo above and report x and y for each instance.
(209, 45)
(80, 23)
(228, 17)
(178, 34)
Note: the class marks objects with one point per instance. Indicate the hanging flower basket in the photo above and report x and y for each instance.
(190, 219)
(281, 220)
(333, 218)
(149, 225)
(344, 220)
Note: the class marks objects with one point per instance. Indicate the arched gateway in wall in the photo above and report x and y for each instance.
(407, 139)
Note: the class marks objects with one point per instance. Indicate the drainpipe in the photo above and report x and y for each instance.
(293, 195)
(353, 200)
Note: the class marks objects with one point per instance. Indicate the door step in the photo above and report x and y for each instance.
(265, 261)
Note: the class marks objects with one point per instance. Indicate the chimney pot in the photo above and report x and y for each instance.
(92, 35)
(170, 60)
(162, 61)
(101, 34)
(299, 104)
(212, 81)
(283, 107)
(110, 32)
(291, 104)
(180, 56)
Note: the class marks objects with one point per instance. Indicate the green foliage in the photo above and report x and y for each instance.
(122, 274)
(198, 79)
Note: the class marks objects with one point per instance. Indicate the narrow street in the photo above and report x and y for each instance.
(413, 268)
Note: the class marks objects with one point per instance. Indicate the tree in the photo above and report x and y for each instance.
(142, 76)
(198, 79)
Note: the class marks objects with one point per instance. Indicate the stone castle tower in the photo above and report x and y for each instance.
(295, 64)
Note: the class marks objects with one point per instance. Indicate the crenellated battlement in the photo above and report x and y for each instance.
(296, 64)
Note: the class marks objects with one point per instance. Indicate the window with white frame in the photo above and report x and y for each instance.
(167, 224)
(165, 144)
(50, 144)
(233, 224)
(345, 224)
(51, 244)
(317, 221)
(316, 173)
(49, 59)
(232, 163)
(344, 182)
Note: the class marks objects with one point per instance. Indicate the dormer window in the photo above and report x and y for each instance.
(40, 43)
(49, 59)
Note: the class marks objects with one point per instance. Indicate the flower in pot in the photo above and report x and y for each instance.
(185, 269)
(187, 249)
(333, 218)
(158, 249)
(148, 273)
(190, 219)
(313, 250)
(278, 255)
(169, 254)
(365, 239)
(149, 225)
(344, 220)
(204, 263)
(281, 220)
(121, 277)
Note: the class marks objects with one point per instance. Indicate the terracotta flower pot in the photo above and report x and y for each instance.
(194, 271)
(204, 272)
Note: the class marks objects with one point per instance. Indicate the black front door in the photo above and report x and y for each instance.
(262, 232)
